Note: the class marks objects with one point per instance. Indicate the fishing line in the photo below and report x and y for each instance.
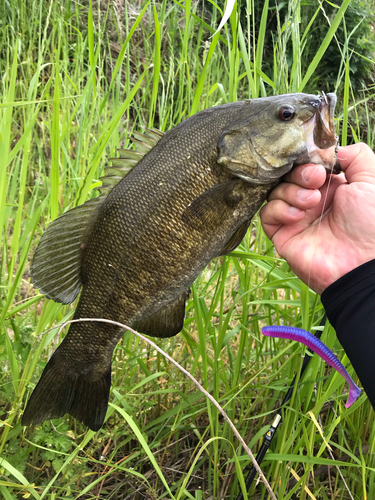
(276, 421)
(319, 223)
(197, 384)
(324, 201)
(278, 418)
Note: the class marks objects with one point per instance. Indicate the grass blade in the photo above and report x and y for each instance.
(5, 131)
(144, 445)
(21, 478)
(81, 198)
(55, 147)
(156, 72)
(345, 106)
(260, 46)
(323, 47)
(90, 28)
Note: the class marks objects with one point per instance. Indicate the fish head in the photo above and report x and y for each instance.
(279, 132)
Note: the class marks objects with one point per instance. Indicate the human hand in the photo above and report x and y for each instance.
(324, 225)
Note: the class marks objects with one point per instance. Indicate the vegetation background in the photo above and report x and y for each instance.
(75, 79)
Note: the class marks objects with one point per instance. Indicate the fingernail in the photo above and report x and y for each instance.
(305, 194)
(309, 172)
(340, 158)
(295, 211)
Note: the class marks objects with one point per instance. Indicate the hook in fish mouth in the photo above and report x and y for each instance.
(325, 97)
(321, 140)
(327, 114)
(327, 110)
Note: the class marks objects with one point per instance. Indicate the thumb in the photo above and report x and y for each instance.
(358, 163)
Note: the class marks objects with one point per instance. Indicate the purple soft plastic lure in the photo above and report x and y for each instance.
(306, 338)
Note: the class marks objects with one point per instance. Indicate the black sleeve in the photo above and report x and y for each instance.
(350, 308)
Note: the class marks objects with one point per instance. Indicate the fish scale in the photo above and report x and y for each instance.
(137, 248)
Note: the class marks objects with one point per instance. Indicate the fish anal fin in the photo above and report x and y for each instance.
(166, 322)
(211, 207)
(236, 238)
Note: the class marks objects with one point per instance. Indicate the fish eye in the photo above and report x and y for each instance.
(286, 113)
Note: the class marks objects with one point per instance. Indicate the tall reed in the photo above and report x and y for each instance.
(76, 80)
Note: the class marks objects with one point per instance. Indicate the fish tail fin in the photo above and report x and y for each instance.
(62, 390)
(90, 401)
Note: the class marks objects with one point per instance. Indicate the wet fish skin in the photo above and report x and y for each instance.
(189, 199)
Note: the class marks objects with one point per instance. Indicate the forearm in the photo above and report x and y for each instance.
(350, 307)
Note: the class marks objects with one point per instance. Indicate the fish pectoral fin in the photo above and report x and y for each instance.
(166, 322)
(56, 265)
(214, 205)
(236, 238)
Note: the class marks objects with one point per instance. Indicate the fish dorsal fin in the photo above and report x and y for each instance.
(56, 265)
(166, 322)
(129, 158)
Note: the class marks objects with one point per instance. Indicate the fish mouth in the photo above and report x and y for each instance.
(320, 137)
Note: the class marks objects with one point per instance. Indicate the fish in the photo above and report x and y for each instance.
(166, 209)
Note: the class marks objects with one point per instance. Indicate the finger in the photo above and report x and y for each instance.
(358, 163)
(327, 192)
(295, 195)
(309, 176)
(277, 213)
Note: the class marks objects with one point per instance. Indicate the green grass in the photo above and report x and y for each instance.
(74, 83)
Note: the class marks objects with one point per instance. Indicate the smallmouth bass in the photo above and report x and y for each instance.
(166, 210)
